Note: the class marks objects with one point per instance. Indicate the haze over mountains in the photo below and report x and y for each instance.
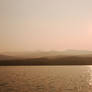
(6, 57)
(39, 54)
(68, 57)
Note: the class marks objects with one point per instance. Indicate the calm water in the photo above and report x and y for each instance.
(46, 79)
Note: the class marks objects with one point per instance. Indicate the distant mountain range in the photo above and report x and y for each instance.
(6, 57)
(68, 57)
(39, 54)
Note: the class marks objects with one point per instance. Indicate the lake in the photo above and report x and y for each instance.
(45, 78)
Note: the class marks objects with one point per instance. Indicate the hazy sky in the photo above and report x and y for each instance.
(27, 25)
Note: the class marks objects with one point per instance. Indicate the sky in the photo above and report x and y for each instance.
(30, 25)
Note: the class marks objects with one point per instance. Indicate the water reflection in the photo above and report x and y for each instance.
(46, 79)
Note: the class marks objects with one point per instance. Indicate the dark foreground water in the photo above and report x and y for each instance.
(46, 79)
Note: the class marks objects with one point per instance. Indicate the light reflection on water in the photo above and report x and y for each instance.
(46, 79)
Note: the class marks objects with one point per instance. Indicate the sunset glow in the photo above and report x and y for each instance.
(30, 25)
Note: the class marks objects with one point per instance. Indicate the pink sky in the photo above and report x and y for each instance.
(28, 25)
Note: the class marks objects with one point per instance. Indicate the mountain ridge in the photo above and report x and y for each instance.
(38, 54)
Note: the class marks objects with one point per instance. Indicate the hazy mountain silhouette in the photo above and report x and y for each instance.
(6, 57)
(68, 60)
(39, 54)
(68, 57)
(2, 57)
(77, 52)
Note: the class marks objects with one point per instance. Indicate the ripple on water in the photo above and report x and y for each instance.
(46, 79)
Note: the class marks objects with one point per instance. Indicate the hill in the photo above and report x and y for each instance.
(68, 57)
(67, 60)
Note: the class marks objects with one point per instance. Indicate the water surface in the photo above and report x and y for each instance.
(46, 79)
